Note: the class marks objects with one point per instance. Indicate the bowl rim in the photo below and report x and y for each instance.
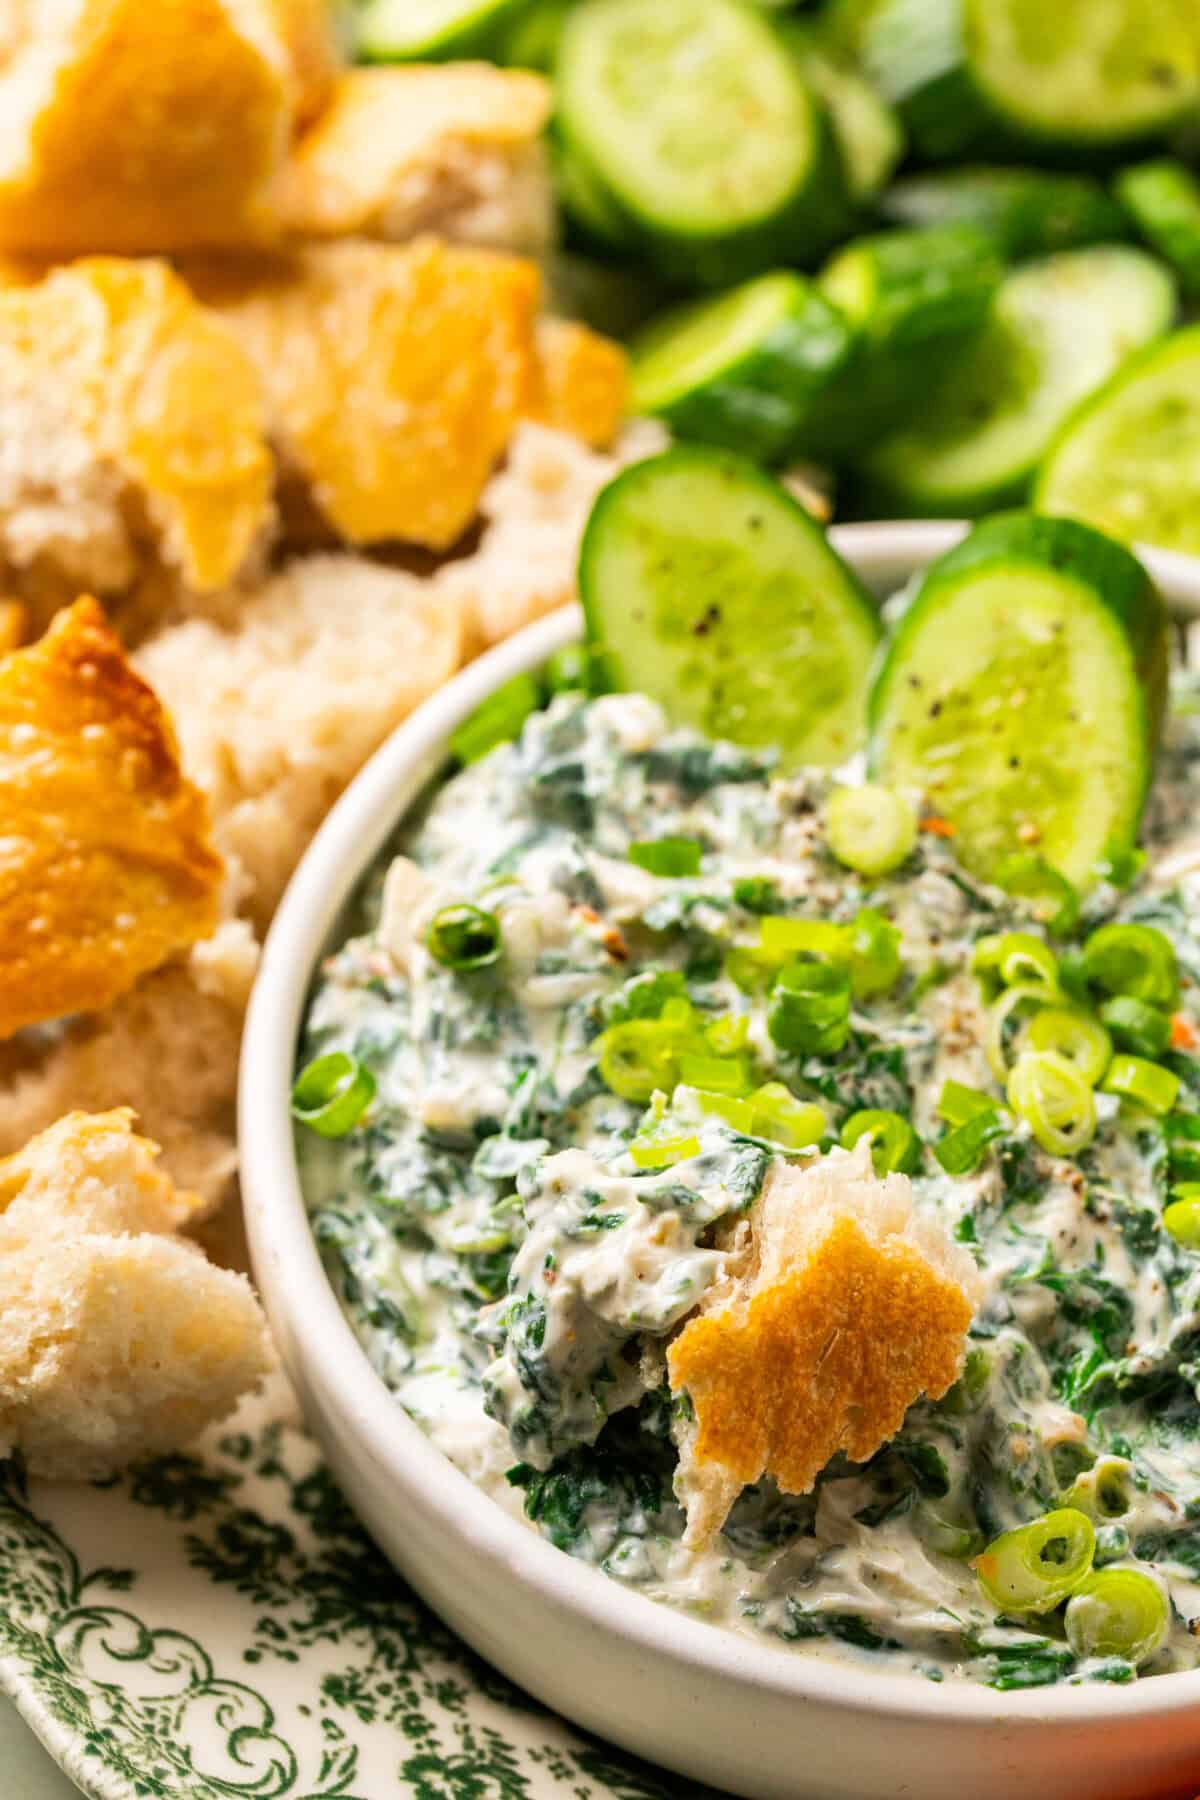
(304, 1311)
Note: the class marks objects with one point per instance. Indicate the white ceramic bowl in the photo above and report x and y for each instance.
(757, 1720)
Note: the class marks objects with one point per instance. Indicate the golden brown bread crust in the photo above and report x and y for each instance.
(419, 148)
(583, 382)
(309, 32)
(394, 374)
(108, 867)
(161, 128)
(845, 1309)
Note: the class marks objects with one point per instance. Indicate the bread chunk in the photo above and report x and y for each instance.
(115, 1341)
(169, 1050)
(312, 41)
(106, 867)
(132, 436)
(279, 712)
(583, 382)
(534, 512)
(139, 127)
(843, 1306)
(394, 375)
(452, 148)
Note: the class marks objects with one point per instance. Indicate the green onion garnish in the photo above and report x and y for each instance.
(775, 1113)
(1117, 1612)
(667, 856)
(498, 720)
(1133, 959)
(716, 1074)
(464, 937)
(1055, 1101)
(1182, 1217)
(1145, 1030)
(961, 1150)
(781, 938)
(755, 893)
(958, 1103)
(871, 829)
(638, 1057)
(1147, 1084)
(1073, 1034)
(894, 1143)
(809, 1009)
(1016, 959)
(1036, 1567)
(874, 954)
(1049, 896)
(332, 1093)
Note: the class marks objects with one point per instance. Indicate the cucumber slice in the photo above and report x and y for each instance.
(1085, 72)
(868, 131)
(531, 39)
(694, 116)
(707, 587)
(431, 30)
(1027, 212)
(1023, 693)
(916, 300)
(1163, 200)
(741, 370)
(586, 200)
(1068, 75)
(1058, 328)
(1128, 460)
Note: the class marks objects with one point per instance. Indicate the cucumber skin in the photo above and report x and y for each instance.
(742, 411)
(482, 40)
(1176, 239)
(1042, 541)
(885, 376)
(1027, 212)
(1126, 376)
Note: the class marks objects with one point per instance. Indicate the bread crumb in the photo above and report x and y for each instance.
(116, 1341)
(842, 1306)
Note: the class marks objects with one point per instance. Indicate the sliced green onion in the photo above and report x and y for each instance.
(874, 954)
(1118, 1612)
(750, 969)
(1016, 959)
(332, 1093)
(639, 1056)
(1077, 1036)
(1182, 1217)
(569, 670)
(464, 937)
(961, 1150)
(775, 1113)
(662, 1145)
(1102, 1491)
(717, 1074)
(809, 1009)
(1048, 894)
(1133, 959)
(1183, 1146)
(1121, 867)
(870, 829)
(781, 938)
(1055, 1101)
(667, 856)
(948, 1536)
(498, 720)
(894, 1143)
(735, 1112)
(1034, 1568)
(1072, 976)
(957, 1103)
(1147, 1084)
(1005, 1015)
(728, 1034)
(1136, 1026)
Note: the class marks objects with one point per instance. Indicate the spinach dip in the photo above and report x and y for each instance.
(557, 1005)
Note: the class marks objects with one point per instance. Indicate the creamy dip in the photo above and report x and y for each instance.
(514, 1276)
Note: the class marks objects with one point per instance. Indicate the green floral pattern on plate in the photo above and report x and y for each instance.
(218, 1627)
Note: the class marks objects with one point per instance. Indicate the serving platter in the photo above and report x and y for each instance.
(217, 1626)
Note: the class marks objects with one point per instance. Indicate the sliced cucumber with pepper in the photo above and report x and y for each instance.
(744, 369)
(1027, 212)
(916, 300)
(1023, 694)
(706, 586)
(431, 30)
(1067, 76)
(1128, 460)
(695, 118)
(1163, 200)
(1058, 328)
